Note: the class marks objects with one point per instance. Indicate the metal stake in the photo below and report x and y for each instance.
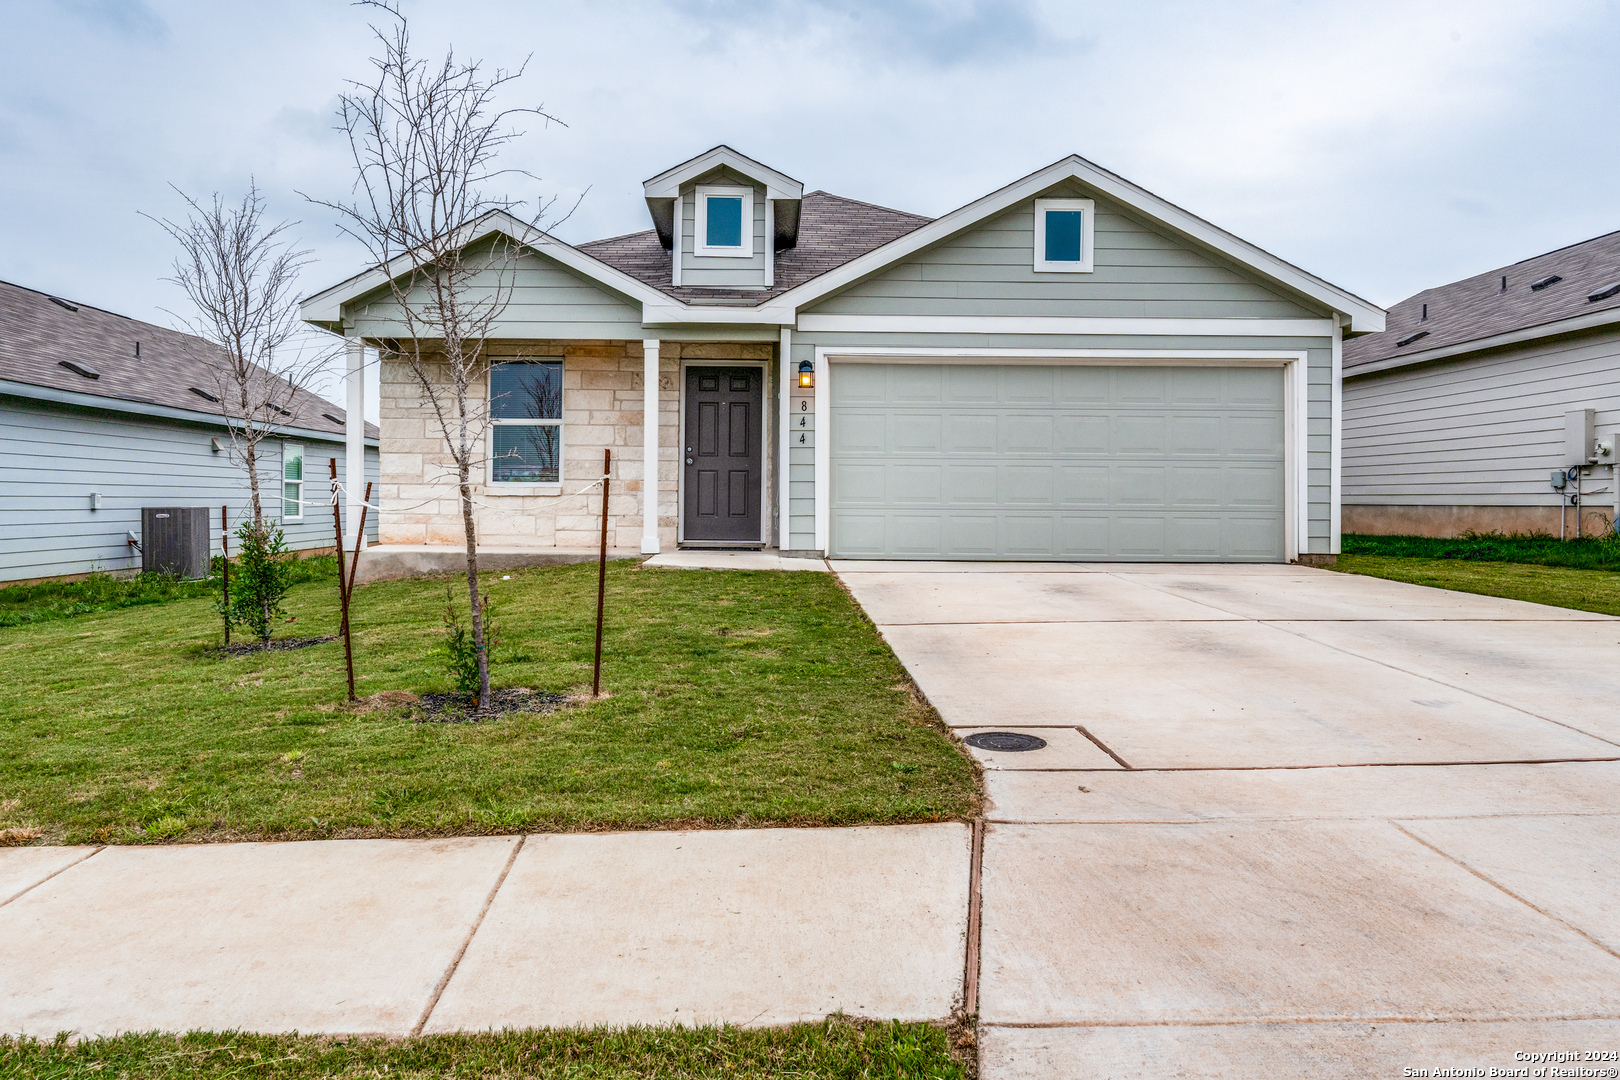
(225, 563)
(601, 574)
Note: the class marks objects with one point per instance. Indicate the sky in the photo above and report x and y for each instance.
(1385, 146)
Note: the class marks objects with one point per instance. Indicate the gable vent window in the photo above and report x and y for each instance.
(292, 482)
(80, 369)
(725, 222)
(1537, 286)
(205, 395)
(1409, 338)
(525, 415)
(1063, 236)
(1603, 293)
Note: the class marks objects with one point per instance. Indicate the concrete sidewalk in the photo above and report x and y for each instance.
(749, 927)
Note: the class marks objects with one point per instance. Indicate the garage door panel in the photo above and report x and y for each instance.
(1057, 462)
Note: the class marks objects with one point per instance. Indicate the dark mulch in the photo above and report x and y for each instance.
(461, 708)
(242, 648)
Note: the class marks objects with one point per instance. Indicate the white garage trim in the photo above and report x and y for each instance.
(1063, 324)
(1295, 525)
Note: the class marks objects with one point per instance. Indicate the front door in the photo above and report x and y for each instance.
(724, 453)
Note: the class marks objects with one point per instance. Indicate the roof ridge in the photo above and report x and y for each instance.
(77, 303)
(583, 244)
(1566, 247)
(863, 202)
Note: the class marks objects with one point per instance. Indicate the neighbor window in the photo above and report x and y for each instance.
(525, 410)
(292, 482)
(1063, 235)
(725, 221)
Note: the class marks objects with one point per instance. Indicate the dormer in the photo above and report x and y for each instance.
(723, 217)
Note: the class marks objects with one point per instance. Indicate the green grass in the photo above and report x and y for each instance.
(734, 699)
(21, 605)
(1590, 553)
(836, 1048)
(1560, 586)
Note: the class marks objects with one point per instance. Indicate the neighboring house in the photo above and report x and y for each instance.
(101, 415)
(1069, 368)
(1457, 417)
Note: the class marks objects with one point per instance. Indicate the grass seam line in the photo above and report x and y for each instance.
(47, 877)
(455, 961)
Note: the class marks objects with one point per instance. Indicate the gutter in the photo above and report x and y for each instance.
(1593, 320)
(141, 408)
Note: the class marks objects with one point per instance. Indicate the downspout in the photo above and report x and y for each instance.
(1336, 440)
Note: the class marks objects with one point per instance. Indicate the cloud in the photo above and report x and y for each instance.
(128, 18)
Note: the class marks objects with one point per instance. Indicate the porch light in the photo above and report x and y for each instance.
(807, 373)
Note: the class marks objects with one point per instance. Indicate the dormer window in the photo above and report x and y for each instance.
(725, 222)
(1063, 235)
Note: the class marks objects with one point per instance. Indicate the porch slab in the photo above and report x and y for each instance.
(386, 562)
(731, 560)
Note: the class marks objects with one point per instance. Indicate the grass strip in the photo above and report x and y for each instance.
(835, 1048)
(1558, 586)
(1588, 553)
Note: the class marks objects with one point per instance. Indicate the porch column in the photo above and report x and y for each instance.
(649, 442)
(354, 437)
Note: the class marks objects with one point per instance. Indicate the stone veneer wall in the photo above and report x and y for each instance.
(602, 409)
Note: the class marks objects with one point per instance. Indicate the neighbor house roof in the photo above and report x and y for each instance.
(1570, 289)
(832, 231)
(40, 335)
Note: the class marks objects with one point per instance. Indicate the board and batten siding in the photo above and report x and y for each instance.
(53, 457)
(1479, 431)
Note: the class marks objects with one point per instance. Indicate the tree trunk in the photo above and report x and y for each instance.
(472, 584)
(252, 456)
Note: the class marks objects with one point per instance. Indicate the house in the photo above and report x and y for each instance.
(1068, 368)
(101, 415)
(1469, 411)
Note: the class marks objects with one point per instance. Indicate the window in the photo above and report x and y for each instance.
(725, 222)
(525, 409)
(1063, 235)
(292, 482)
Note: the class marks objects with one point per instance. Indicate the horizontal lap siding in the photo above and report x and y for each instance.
(52, 458)
(721, 272)
(1486, 431)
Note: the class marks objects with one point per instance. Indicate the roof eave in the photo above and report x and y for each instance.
(1590, 321)
(667, 184)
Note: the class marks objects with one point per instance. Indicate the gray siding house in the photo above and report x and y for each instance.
(1459, 415)
(101, 415)
(1068, 368)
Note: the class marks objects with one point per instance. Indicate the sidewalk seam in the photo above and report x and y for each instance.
(455, 961)
(47, 877)
(975, 920)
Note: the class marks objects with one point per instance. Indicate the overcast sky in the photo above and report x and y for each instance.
(1386, 147)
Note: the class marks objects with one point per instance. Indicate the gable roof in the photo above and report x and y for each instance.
(38, 333)
(832, 231)
(1478, 312)
(667, 184)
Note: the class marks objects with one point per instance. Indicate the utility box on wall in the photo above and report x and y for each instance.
(1580, 433)
(175, 540)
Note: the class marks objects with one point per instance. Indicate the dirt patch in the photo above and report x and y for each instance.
(463, 708)
(15, 837)
(381, 701)
(243, 648)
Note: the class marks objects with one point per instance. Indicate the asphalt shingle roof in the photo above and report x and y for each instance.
(1480, 307)
(37, 334)
(832, 231)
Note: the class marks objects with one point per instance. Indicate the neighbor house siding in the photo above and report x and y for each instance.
(1482, 431)
(53, 457)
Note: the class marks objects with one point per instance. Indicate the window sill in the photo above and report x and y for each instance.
(522, 489)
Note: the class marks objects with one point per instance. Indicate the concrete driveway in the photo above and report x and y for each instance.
(1287, 822)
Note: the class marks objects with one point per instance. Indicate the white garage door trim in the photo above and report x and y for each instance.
(1294, 401)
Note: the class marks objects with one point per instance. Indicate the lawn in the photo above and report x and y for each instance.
(732, 698)
(835, 1048)
(1588, 553)
(1559, 586)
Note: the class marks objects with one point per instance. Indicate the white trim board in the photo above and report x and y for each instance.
(1063, 325)
(1088, 232)
(700, 222)
(1295, 365)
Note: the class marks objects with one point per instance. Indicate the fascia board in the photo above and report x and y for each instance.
(1365, 316)
(1606, 317)
(159, 412)
(667, 184)
(765, 315)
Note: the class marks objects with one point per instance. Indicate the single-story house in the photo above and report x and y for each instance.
(1469, 411)
(1068, 368)
(101, 415)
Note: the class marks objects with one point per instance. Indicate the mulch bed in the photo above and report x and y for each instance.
(243, 648)
(462, 708)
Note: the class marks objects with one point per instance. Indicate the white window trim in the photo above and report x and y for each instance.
(700, 234)
(491, 485)
(1088, 209)
(303, 473)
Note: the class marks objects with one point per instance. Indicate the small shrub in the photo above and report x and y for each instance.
(260, 579)
(459, 646)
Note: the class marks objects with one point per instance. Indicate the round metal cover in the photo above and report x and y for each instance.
(1005, 741)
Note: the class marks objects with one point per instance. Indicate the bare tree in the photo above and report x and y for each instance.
(239, 272)
(425, 137)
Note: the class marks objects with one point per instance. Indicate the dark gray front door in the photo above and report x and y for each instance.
(724, 453)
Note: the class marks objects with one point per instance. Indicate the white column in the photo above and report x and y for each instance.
(354, 438)
(1336, 443)
(783, 442)
(649, 445)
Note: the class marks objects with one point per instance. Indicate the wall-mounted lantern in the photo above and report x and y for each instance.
(807, 373)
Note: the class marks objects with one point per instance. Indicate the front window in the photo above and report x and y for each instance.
(525, 409)
(292, 482)
(1063, 235)
(725, 222)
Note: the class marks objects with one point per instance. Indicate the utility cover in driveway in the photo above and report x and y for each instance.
(933, 461)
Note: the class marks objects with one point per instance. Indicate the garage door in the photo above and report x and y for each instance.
(946, 461)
